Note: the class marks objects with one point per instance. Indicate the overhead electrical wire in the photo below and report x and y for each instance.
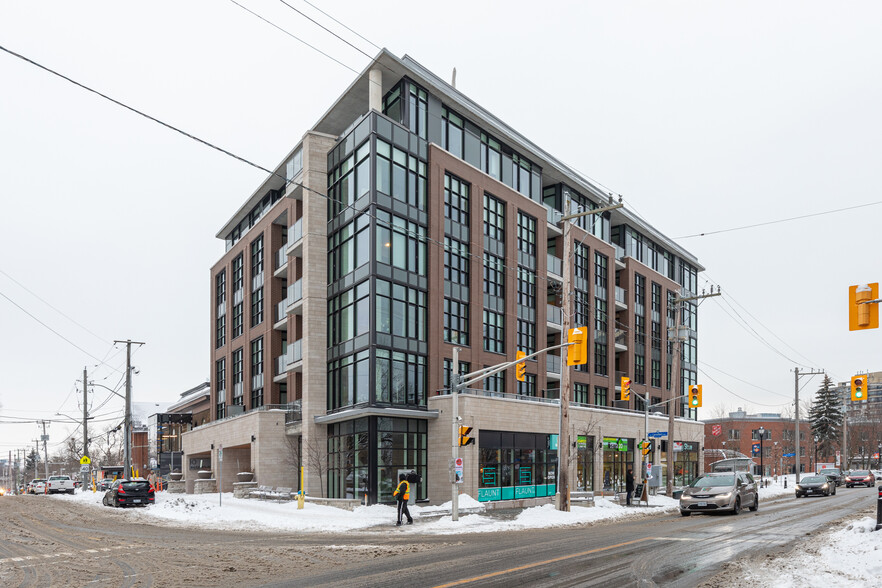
(326, 29)
(343, 25)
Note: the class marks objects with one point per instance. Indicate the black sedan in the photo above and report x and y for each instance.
(133, 492)
(820, 485)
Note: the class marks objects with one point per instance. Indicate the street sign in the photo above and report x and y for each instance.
(457, 471)
(789, 455)
(85, 468)
(220, 454)
(658, 434)
(85, 460)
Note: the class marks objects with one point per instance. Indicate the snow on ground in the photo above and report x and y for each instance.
(229, 513)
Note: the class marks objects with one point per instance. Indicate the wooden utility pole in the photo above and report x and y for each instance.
(127, 445)
(796, 444)
(85, 414)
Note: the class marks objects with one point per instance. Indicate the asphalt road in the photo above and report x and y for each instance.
(47, 542)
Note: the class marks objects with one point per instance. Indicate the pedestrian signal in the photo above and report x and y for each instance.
(695, 396)
(859, 388)
(521, 368)
(577, 353)
(647, 447)
(626, 388)
(464, 438)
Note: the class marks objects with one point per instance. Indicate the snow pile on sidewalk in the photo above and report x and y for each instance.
(204, 511)
(848, 556)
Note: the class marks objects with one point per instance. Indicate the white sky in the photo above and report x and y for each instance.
(847, 555)
(703, 116)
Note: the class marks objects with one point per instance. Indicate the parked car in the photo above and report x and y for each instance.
(129, 492)
(104, 484)
(59, 484)
(37, 486)
(835, 472)
(860, 477)
(720, 491)
(820, 485)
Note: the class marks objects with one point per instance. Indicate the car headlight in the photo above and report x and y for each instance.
(725, 496)
(798, 487)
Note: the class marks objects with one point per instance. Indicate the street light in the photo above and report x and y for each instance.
(762, 433)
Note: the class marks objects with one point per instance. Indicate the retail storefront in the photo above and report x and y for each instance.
(618, 457)
(516, 465)
(685, 462)
(585, 462)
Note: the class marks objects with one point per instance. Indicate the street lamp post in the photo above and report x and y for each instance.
(762, 433)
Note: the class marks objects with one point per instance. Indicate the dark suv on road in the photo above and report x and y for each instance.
(834, 474)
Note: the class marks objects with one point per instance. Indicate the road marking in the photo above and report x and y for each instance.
(64, 554)
(542, 563)
(676, 539)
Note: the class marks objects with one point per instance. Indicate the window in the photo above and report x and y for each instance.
(349, 314)
(464, 368)
(495, 383)
(221, 331)
(418, 111)
(456, 200)
(220, 287)
(526, 337)
(494, 276)
(491, 156)
(257, 372)
(220, 371)
(400, 175)
(400, 310)
(400, 378)
(238, 273)
(600, 364)
(401, 243)
(582, 261)
(656, 373)
(494, 331)
(734, 435)
(456, 322)
(237, 319)
(581, 394)
(601, 274)
(452, 132)
(349, 248)
(238, 376)
(526, 234)
(257, 256)
(600, 396)
(528, 386)
(351, 178)
(526, 288)
(349, 380)
(456, 261)
(494, 218)
(221, 409)
(257, 307)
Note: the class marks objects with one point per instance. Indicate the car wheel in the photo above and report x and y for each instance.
(737, 508)
(685, 513)
(797, 495)
(834, 490)
(755, 505)
(104, 501)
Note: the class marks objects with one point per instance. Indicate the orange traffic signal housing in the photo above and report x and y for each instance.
(626, 388)
(577, 354)
(858, 388)
(521, 368)
(863, 315)
(695, 396)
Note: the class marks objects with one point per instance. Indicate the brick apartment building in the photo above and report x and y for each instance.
(406, 221)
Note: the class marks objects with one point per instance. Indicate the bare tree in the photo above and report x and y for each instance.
(316, 462)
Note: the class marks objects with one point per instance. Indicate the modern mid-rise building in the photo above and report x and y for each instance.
(408, 221)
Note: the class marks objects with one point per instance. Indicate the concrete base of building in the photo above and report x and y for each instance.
(208, 486)
(242, 489)
(176, 487)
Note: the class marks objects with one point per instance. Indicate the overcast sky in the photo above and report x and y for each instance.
(705, 116)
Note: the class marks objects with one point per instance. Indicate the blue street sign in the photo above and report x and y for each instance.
(789, 455)
(657, 434)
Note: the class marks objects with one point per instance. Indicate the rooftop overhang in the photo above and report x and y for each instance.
(356, 413)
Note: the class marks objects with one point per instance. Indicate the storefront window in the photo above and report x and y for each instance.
(585, 462)
(515, 465)
(618, 456)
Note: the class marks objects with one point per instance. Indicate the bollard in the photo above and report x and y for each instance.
(879, 509)
(785, 482)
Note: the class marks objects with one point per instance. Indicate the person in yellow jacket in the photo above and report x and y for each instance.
(402, 493)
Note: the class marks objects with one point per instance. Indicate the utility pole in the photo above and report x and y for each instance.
(128, 418)
(676, 393)
(454, 391)
(796, 446)
(85, 414)
(563, 440)
(45, 439)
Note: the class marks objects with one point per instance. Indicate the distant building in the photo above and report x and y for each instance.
(863, 436)
(165, 428)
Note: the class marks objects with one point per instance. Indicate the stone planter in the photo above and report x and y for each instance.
(245, 476)
(203, 474)
(175, 476)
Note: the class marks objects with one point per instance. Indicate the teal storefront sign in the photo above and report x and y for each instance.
(515, 492)
(552, 442)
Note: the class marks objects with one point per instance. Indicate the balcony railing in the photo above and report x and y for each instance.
(281, 310)
(621, 295)
(281, 256)
(552, 364)
(294, 353)
(621, 337)
(555, 315)
(293, 412)
(281, 364)
(295, 292)
(555, 265)
(295, 232)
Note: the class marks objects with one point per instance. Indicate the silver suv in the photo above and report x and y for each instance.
(720, 491)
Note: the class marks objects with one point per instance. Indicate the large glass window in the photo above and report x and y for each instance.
(514, 465)
(221, 331)
(456, 322)
(401, 175)
(494, 217)
(526, 234)
(238, 376)
(348, 459)
(349, 314)
(257, 256)
(349, 248)
(528, 386)
(220, 287)
(257, 307)
(400, 378)
(351, 179)
(456, 261)
(349, 381)
(401, 310)
(401, 243)
(526, 288)
(401, 445)
(526, 337)
(456, 200)
(418, 111)
(452, 133)
(257, 372)
(494, 276)
(494, 331)
(238, 273)
(238, 312)
(220, 377)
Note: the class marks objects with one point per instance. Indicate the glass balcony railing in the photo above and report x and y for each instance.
(295, 291)
(555, 265)
(281, 310)
(622, 337)
(294, 353)
(621, 295)
(281, 256)
(281, 364)
(555, 314)
(295, 232)
(552, 364)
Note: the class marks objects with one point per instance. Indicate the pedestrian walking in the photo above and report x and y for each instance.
(629, 485)
(402, 493)
(151, 479)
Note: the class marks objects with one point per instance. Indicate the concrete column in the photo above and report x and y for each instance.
(375, 89)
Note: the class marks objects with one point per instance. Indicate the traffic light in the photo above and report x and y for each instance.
(695, 396)
(626, 388)
(859, 388)
(464, 438)
(577, 353)
(863, 314)
(646, 446)
(521, 368)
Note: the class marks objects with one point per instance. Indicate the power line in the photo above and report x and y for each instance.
(706, 364)
(783, 220)
(343, 25)
(326, 28)
(709, 377)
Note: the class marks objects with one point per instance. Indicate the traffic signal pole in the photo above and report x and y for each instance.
(455, 388)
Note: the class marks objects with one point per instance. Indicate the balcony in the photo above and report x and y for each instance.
(552, 365)
(295, 238)
(621, 298)
(555, 265)
(294, 356)
(280, 318)
(621, 340)
(279, 374)
(295, 298)
(554, 318)
(281, 261)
